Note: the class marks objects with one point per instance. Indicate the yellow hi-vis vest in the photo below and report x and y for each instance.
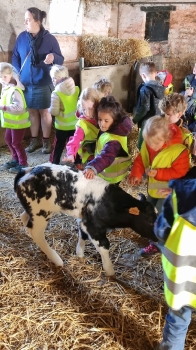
(68, 120)
(188, 140)
(179, 262)
(91, 133)
(12, 121)
(169, 89)
(119, 168)
(162, 160)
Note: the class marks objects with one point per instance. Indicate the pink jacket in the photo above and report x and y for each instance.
(73, 144)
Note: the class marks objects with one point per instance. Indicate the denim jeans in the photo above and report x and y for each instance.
(175, 330)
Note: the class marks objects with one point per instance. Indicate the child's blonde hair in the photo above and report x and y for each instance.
(174, 103)
(59, 72)
(88, 94)
(9, 69)
(147, 68)
(104, 86)
(4, 66)
(156, 125)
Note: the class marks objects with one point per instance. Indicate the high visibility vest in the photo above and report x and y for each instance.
(12, 121)
(68, 120)
(179, 262)
(188, 140)
(162, 160)
(119, 168)
(169, 89)
(91, 133)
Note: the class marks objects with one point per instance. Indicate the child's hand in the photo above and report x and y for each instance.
(150, 172)
(133, 180)
(89, 174)
(189, 91)
(164, 192)
(68, 159)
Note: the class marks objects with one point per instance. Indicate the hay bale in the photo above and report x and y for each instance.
(103, 51)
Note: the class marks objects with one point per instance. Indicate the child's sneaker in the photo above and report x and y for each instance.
(150, 250)
(12, 163)
(17, 168)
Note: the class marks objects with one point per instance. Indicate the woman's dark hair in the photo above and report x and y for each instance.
(37, 14)
(114, 108)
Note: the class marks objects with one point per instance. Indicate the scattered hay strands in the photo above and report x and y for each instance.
(103, 51)
(76, 307)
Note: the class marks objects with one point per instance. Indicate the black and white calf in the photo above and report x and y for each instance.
(47, 189)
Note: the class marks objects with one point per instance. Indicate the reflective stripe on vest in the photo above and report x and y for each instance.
(68, 120)
(91, 133)
(179, 262)
(119, 168)
(162, 160)
(12, 121)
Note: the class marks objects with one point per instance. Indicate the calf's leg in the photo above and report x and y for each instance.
(37, 233)
(102, 247)
(82, 237)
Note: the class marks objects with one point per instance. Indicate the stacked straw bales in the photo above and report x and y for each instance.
(103, 51)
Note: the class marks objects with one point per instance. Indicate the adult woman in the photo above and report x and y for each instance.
(34, 53)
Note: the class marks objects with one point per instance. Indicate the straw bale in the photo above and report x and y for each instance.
(76, 307)
(103, 51)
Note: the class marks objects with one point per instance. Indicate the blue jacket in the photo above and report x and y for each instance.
(39, 74)
(185, 189)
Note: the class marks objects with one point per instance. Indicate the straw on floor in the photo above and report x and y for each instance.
(76, 307)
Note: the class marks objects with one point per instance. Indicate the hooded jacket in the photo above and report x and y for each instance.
(39, 74)
(175, 227)
(112, 149)
(185, 189)
(148, 97)
(66, 87)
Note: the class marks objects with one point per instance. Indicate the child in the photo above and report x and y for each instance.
(174, 106)
(175, 227)
(104, 87)
(165, 78)
(86, 128)
(63, 106)
(111, 160)
(162, 157)
(149, 95)
(14, 116)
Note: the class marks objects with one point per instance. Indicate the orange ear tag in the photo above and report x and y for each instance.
(134, 211)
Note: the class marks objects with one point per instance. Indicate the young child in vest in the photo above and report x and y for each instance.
(176, 227)
(104, 87)
(162, 157)
(14, 116)
(63, 107)
(165, 78)
(112, 159)
(174, 106)
(149, 95)
(85, 135)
